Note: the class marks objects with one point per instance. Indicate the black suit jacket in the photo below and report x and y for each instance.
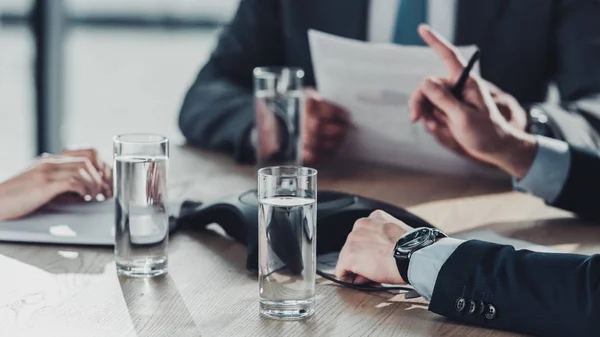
(542, 294)
(525, 45)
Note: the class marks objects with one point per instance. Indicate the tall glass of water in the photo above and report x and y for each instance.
(141, 218)
(279, 108)
(287, 241)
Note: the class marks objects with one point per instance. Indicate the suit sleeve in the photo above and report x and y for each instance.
(218, 111)
(578, 194)
(576, 72)
(542, 294)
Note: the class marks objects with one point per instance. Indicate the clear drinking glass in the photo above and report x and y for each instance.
(279, 108)
(287, 243)
(141, 218)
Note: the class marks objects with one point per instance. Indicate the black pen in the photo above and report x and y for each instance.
(459, 87)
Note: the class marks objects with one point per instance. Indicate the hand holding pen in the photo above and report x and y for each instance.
(460, 111)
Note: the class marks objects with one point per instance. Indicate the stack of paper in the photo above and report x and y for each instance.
(374, 83)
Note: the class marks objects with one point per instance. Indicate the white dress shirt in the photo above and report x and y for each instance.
(382, 19)
(545, 179)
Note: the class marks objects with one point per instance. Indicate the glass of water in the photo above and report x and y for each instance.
(279, 108)
(141, 218)
(287, 243)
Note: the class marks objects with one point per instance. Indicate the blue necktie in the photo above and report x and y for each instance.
(411, 13)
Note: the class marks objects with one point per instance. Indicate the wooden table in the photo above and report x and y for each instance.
(74, 291)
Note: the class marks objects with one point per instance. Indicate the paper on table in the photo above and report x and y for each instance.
(374, 83)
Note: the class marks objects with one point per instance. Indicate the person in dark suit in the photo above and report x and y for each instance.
(525, 45)
(476, 282)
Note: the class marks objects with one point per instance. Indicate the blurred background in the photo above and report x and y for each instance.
(105, 67)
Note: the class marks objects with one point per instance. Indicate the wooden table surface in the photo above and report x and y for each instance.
(48, 290)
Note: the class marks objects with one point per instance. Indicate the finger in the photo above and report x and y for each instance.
(328, 130)
(107, 173)
(107, 183)
(107, 180)
(323, 110)
(431, 125)
(360, 280)
(384, 216)
(79, 176)
(418, 106)
(440, 117)
(444, 136)
(82, 170)
(107, 191)
(89, 153)
(58, 187)
(309, 157)
(322, 146)
(70, 161)
(342, 268)
(318, 128)
(452, 59)
(90, 173)
(442, 99)
(388, 218)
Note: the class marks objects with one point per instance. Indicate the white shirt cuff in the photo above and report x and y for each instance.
(549, 170)
(425, 265)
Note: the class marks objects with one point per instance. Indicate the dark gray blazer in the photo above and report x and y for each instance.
(525, 44)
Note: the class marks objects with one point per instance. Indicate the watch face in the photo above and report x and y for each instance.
(413, 240)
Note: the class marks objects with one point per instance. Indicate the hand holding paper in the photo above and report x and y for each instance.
(373, 82)
(473, 125)
(421, 108)
(325, 127)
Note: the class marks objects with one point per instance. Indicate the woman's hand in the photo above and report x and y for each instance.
(73, 175)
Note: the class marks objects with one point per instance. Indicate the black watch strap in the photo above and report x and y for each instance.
(403, 256)
(402, 265)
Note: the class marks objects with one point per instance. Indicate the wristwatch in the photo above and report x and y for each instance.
(411, 242)
(538, 123)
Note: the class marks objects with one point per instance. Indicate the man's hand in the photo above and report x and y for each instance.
(325, 128)
(367, 255)
(475, 126)
(270, 132)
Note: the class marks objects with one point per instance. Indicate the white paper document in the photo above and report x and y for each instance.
(374, 83)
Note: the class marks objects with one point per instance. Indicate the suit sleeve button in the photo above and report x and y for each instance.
(460, 304)
(491, 312)
(480, 308)
(472, 307)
